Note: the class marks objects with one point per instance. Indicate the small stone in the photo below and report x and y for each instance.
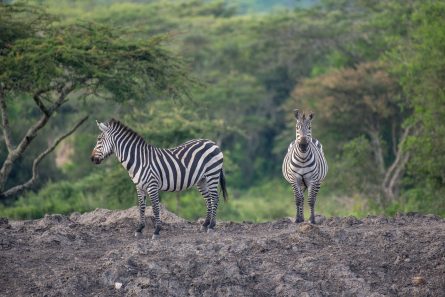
(117, 285)
(394, 288)
(319, 219)
(418, 281)
(306, 227)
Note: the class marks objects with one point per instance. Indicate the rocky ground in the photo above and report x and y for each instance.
(93, 253)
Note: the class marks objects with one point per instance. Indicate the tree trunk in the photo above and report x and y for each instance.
(15, 153)
(18, 151)
(391, 181)
(20, 188)
(7, 164)
(378, 150)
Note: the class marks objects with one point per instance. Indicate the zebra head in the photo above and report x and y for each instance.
(104, 146)
(303, 129)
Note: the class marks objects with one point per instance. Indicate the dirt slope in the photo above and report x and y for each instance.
(86, 255)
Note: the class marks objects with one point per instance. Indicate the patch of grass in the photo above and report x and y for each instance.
(264, 202)
(268, 201)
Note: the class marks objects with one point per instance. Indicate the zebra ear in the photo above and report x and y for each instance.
(311, 116)
(102, 126)
(296, 113)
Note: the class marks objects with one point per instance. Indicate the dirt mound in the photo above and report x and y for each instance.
(95, 254)
(102, 216)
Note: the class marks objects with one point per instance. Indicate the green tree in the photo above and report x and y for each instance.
(361, 101)
(52, 63)
(419, 60)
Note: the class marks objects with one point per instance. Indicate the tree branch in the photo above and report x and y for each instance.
(32, 132)
(377, 149)
(393, 183)
(20, 188)
(393, 137)
(394, 172)
(5, 121)
(14, 154)
(39, 102)
(63, 91)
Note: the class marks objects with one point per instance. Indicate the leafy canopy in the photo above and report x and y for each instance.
(86, 55)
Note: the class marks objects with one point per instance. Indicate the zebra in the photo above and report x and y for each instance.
(304, 165)
(197, 162)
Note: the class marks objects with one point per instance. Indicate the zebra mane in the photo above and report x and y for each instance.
(116, 123)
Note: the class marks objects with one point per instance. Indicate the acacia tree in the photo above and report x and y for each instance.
(362, 101)
(51, 63)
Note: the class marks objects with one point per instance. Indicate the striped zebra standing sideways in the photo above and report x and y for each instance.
(304, 165)
(197, 162)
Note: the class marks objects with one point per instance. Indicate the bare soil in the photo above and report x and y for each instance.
(90, 254)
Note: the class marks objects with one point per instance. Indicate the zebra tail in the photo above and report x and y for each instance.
(222, 182)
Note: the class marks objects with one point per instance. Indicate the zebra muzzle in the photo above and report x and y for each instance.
(95, 160)
(303, 146)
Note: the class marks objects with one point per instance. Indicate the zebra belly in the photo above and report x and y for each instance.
(192, 177)
(186, 186)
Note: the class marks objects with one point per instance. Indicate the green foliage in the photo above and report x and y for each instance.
(20, 21)
(94, 56)
(347, 169)
(369, 70)
(420, 62)
(83, 195)
(267, 201)
(48, 62)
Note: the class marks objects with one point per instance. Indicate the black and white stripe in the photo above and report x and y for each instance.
(304, 165)
(197, 162)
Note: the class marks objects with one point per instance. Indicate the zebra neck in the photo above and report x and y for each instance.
(132, 151)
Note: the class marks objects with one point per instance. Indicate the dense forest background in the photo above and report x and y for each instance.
(373, 73)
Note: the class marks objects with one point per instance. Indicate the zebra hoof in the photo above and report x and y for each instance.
(210, 231)
(155, 236)
(138, 234)
(203, 228)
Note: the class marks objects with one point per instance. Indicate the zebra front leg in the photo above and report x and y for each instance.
(299, 201)
(313, 191)
(141, 202)
(154, 197)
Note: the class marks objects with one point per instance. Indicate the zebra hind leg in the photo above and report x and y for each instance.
(213, 189)
(141, 202)
(154, 197)
(202, 188)
(299, 201)
(313, 191)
